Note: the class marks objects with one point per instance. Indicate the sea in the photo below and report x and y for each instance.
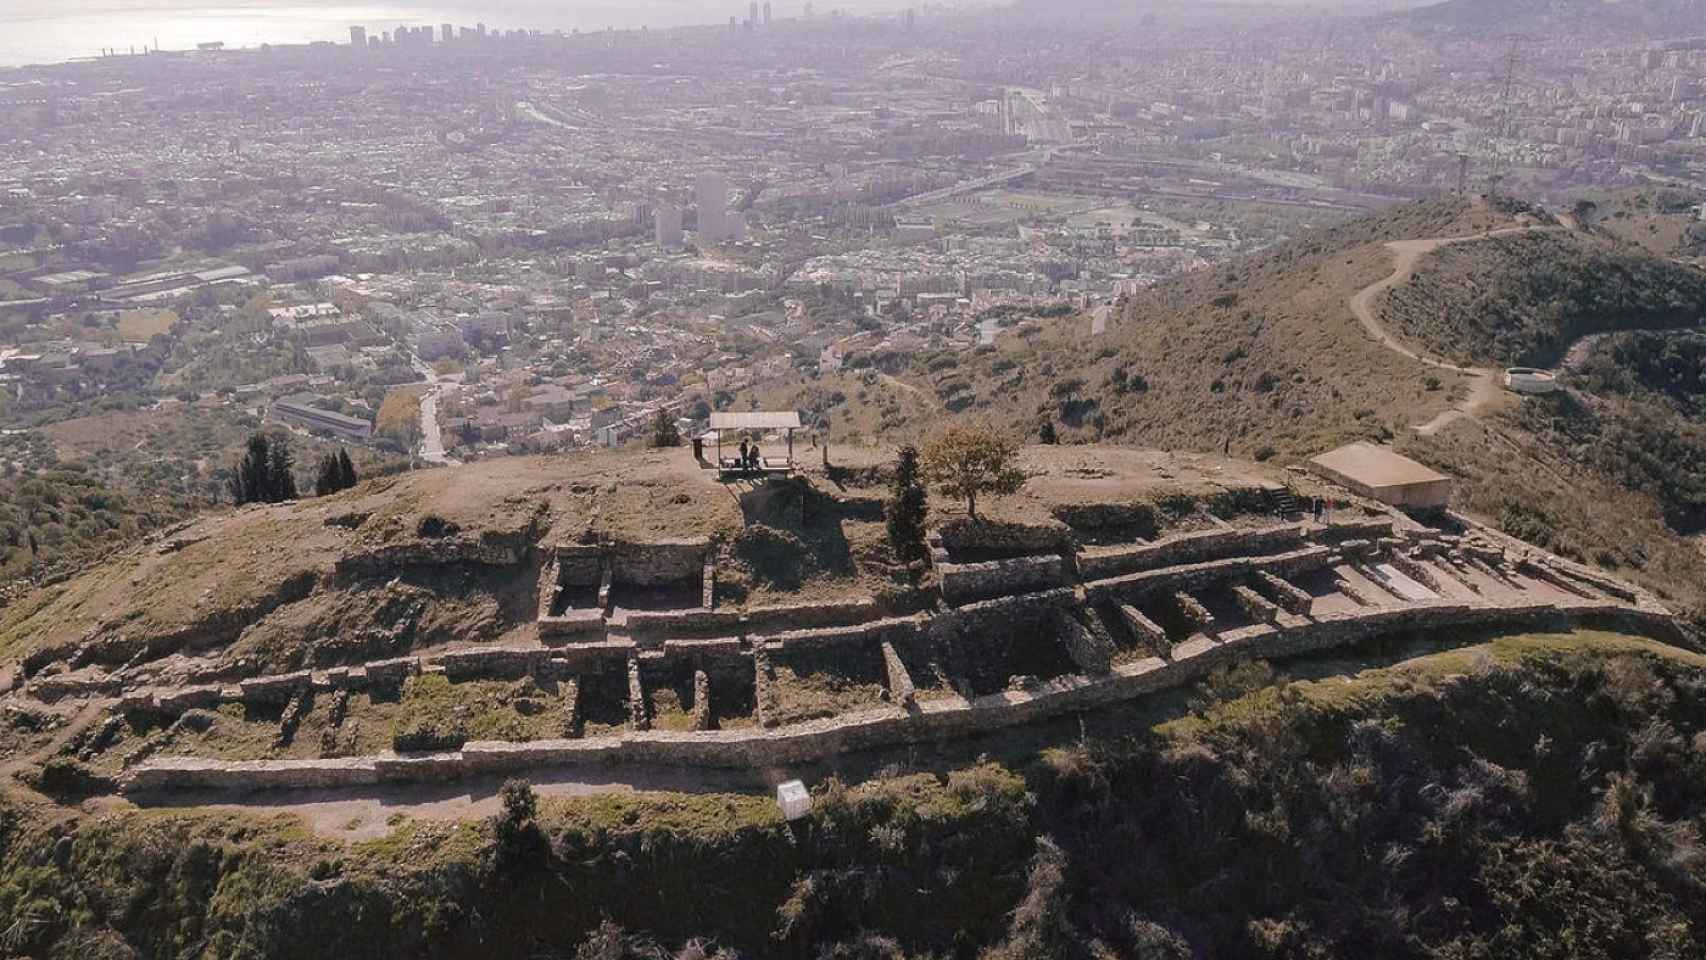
(52, 31)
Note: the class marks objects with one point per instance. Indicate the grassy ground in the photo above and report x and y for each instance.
(144, 325)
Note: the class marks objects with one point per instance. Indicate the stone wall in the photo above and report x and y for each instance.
(1002, 613)
(1087, 651)
(1283, 593)
(276, 689)
(586, 658)
(962, 582)
(579, 564)
(573, 623)
(1146, 631)
(691, 620)
(901, 690)
(1185, 548)
(1255, 606)
(704, 651)
(658, 562)
(493, 548)
(505, 663)
(876, 631)
(965, 536)
(812, 614)
(883, 726)
(1341, 530)
(1136, 586)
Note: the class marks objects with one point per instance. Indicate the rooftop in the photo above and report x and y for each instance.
(1376, 466)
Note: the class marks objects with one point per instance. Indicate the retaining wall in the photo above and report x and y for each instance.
(875, 631)
(1135, 586)
(1188, 548)
(658, 562)
(977, 581)
(992, 536)
(812, 614)
(573, 623)
(885, 726)
(492, 548)
(579, 564)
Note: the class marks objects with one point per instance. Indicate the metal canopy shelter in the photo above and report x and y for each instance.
(785, 420)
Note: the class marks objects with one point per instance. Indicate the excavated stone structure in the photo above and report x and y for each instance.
(1026, 626)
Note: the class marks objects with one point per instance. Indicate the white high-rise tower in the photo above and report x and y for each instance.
(712, 192)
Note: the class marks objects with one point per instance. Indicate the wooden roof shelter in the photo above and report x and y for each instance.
(786, 421)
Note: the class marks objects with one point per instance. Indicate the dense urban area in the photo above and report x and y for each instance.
(539, 240)
(1061, 479)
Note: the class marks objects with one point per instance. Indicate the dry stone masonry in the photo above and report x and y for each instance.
(1029, 626)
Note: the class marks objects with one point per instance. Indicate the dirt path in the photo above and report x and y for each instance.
(928, 400)
(366, 813)
(1484, 388)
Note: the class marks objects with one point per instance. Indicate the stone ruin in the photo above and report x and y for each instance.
(1026, 625)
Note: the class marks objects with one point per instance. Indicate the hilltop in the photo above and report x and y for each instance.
(312, 701)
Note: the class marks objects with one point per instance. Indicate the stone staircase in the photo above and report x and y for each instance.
(1284, 502)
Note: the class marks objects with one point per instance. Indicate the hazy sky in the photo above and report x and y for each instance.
(38, 31)
(35, 31)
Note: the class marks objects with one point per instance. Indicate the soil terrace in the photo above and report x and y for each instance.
(1118, 573)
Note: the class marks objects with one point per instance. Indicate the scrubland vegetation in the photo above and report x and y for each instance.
(1531, 796)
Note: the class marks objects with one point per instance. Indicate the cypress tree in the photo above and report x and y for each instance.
(327, 480)
(907, 507)
(346, 470)
(281, 479)
(250, 481)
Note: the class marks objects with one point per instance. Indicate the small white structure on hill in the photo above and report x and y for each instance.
(1530, 380)
(794, 799)
(1379, 474)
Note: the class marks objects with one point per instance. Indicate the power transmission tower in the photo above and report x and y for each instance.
(1512, 58)
(1505, 125)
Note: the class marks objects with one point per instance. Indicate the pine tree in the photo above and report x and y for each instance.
(907, 507)
(346, 470)
(664, 431)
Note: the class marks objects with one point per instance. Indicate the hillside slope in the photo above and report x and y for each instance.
(1264, 357)
(399, 562)
(1624, 17)
(1523, 299)
(1261, 357)
(1522, 796)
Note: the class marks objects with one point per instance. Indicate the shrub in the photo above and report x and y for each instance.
(434, 526)
(65, 778)
(517, 827)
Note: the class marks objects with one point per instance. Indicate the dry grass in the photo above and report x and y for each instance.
(145, 325)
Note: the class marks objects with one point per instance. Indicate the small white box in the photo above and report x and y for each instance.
(794, 799)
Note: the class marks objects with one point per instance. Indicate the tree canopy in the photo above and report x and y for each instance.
(967, 461)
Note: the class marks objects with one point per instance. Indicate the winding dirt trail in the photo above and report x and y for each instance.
(1485, 387)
